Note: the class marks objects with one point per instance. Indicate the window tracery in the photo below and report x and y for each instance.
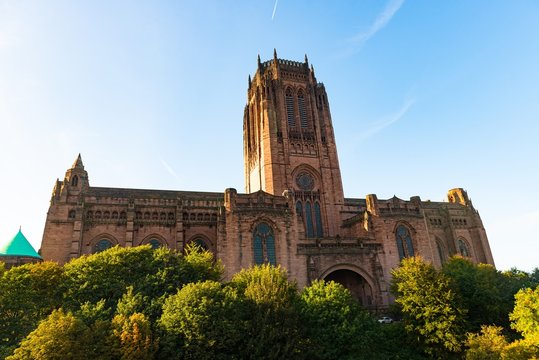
(289, 100)
(102, 245)
(404, 242)
(154, 243)
(264, 245)
(463, 248)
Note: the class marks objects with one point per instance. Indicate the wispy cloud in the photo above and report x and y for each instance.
(170, 170)
(274, 9)
(381, 21)
(387, 121)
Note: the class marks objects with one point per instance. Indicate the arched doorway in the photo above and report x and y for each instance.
(359, 287)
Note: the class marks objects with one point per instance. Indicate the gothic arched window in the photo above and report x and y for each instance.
(302, 110)
(102, 245)
(463, 248)
(441, 252)
(404, 242)
(200, 243)
(318, 220)
(264, 245)
(299, 208)
(290, 108)
(74, 180)
(309, 220)
(154, 243)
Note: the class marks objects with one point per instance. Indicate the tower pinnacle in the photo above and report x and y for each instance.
(78, 163)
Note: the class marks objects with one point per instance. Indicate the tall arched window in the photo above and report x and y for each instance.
(154, 243)
(404, 242)
(200, 243)
(318, 220)
(309, 220)
(299, 208)
(463, 248)
(302, 110)
(290, 108)
(74, 180)
(264, 245)
(102, 245)
(441, 252)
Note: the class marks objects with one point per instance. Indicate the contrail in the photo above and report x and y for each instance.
(170, 170)
(274, 9)
(387, 121)
(381, 21)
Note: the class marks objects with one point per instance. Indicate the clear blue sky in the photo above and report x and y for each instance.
(425, 96)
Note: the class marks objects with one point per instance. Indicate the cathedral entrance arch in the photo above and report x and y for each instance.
(355, 280)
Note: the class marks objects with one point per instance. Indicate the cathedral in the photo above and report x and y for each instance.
(292, 213)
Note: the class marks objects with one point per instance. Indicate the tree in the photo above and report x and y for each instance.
(63, 336)
(428, 305)
(205, 320)
(487, 345)
(525, 315)
(486, 293)
(334, 324)
(133, 337)
(273, 331)
(28, 293)
(152, 274)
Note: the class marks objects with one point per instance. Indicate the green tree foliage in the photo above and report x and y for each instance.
(525, 315)
(334, 324)
(393, 342)
(133, 337)
(273, 331)
(206, 320)
(63, 336)
(152, 274)
(490, 344)
(429, 308)
(485, 293)
(28, 293)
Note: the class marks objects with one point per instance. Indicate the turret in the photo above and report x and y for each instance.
(76, 178)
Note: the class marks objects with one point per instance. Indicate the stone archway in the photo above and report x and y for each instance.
(359, 286)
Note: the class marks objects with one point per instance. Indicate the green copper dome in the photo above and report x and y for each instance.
(18, 246)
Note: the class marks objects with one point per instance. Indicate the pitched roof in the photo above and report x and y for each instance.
(18, 246)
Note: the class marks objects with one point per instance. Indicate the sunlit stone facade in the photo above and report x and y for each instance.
(293, 211)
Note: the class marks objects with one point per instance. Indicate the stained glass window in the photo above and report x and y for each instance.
(102, 245)
(318, 220)
(404, 242)
(299, 208)
(264, 245)
(154, 243)
(309, 220)
(463, 248)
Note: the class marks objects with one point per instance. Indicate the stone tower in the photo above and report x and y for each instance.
(289, 142)
(293, 212)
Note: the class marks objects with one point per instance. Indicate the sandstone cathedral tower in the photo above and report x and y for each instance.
(293, 211)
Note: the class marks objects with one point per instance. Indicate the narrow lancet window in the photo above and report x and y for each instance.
(302, 110)
(404, 242)
(264, 245)
(318, 220)
(290, 108)
(309, 220)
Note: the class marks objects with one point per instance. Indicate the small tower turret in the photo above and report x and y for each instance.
(76, 178)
